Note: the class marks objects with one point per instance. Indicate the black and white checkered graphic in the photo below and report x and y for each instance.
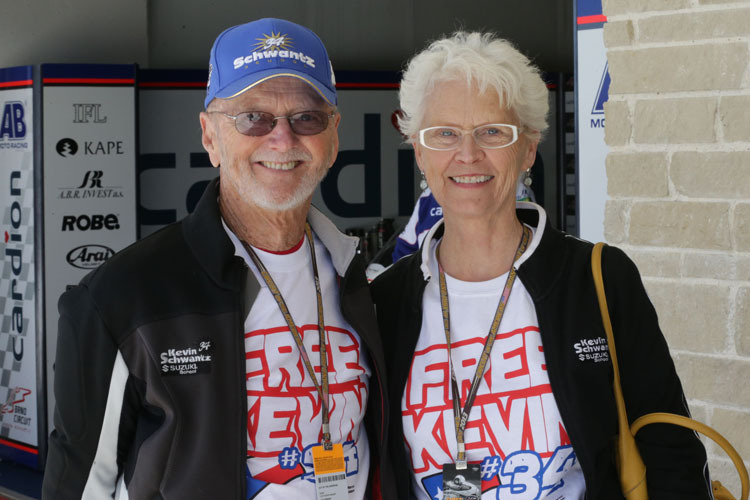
(10, 337)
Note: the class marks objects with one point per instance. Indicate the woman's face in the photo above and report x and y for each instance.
(472, 182)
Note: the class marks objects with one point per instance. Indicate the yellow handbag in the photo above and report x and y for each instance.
(631, 468)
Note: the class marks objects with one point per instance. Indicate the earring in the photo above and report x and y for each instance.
(423, 181)
(527, 178)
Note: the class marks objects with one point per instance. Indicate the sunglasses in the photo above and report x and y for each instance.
(259, 123)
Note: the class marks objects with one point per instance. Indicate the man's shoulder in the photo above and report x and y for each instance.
(153, 256)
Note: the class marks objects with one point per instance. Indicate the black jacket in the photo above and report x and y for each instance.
(176, 437)
(558, 278)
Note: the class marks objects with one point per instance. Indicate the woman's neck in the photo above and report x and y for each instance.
(479, 250)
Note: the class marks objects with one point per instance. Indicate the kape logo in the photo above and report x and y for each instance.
(66, 147)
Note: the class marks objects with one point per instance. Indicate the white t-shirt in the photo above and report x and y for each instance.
(284, 411)
(514, 429)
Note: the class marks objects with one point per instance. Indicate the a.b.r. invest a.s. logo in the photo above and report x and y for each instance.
(66, 147)
(91, 187)
(273, 46)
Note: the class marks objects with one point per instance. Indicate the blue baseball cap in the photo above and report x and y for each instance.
(244, 56)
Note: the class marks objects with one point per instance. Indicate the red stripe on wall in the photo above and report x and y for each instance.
(19, 83)
(599, 18)
(21, 447)
(173, 84)
(102, 81)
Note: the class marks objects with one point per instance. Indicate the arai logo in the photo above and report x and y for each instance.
(89, 256)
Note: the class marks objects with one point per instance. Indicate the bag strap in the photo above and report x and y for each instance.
(671, 418)
(630, 462)
(631, 466)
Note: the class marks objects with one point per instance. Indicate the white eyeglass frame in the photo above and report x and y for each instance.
(463, 132)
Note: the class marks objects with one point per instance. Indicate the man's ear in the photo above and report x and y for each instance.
(335, 140)
(209, 139)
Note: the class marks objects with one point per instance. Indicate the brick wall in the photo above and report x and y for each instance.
(678, 129)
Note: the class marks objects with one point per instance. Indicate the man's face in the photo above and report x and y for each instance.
(278, 171)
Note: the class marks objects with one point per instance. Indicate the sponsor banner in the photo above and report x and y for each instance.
(592, 90)
(374, 175)
(89, 176)
(19, 398)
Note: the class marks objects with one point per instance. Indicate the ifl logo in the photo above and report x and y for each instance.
(13, 126)
(602, 96)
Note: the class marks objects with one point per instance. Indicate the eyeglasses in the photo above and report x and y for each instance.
(259, 123)
(490, 136)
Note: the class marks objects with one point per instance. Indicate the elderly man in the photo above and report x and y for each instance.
(234, 354)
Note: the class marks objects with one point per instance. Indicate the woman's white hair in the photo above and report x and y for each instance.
(483, 60)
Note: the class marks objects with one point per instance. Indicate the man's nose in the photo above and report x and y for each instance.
(282, 136)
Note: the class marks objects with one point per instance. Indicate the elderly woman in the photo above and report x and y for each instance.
(499, 372)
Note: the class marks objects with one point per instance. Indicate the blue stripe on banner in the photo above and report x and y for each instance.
(19, 456)
(107, 71)
(176, 76)
(588, 8)
(16, 74)
(590, 26)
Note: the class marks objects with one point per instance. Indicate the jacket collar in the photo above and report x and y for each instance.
(342, 248)
(207, 240)
(543, 268)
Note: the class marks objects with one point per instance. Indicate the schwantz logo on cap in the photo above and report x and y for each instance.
(273, 46)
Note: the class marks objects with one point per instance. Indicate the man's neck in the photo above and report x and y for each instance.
(274, 230)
